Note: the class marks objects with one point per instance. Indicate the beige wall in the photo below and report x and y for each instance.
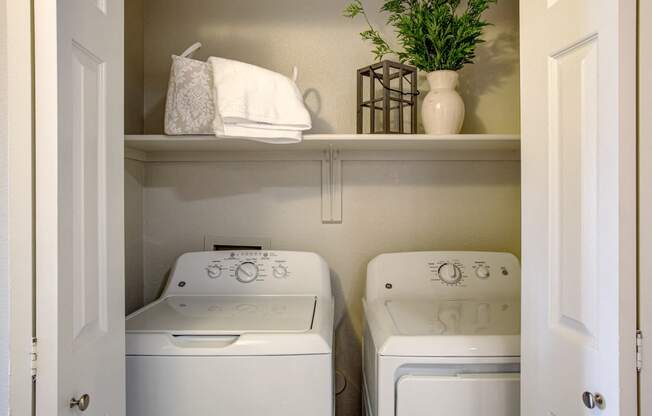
(134, 277)
(134, 66)
(326, 47)
(4, 213)
(134, 171)
(387, 206)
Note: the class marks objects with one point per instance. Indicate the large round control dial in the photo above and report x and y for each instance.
(449, 273)
(246, 272)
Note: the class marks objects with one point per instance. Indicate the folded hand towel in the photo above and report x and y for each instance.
(256, 103)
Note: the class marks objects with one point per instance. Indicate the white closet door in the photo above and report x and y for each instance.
(79, 206)
(578, 97)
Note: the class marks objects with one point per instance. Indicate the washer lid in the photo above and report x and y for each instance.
(454, 317)
(224, 315)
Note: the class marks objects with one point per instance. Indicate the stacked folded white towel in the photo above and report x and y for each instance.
(256, 103)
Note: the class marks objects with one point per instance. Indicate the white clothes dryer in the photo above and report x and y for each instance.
(235, 333)
(442, 334)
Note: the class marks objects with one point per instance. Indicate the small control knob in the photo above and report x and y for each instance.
(214, 271)
(280, 271)
(449, 273)
(246, 272)
(482, 271)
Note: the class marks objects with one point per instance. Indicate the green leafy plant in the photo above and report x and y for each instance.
(434, 35)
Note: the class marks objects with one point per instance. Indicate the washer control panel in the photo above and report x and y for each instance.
(247, 272)
(463, 274)
(249, 266)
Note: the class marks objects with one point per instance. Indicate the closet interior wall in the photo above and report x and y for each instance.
(4, 217)
(134, 80)
(388, 206)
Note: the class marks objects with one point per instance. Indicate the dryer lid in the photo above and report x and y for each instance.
(224, 315)
(445, 328)
(454, 317)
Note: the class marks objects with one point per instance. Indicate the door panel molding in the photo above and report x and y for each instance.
(572, 190)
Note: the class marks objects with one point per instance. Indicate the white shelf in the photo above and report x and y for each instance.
(154, 145)
(157, 143)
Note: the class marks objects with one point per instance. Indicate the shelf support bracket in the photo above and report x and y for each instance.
(331, 187)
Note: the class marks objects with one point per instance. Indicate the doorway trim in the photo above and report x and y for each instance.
(645, 200)
(21, 197)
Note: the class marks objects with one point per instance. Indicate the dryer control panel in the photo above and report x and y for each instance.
(449, 274)
(249, 272)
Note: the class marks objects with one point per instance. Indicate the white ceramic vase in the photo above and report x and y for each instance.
(442, 111)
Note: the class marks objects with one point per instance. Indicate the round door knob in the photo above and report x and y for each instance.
(592, 401)
(82, 403)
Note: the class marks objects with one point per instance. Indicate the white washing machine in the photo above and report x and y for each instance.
(235, 333)
(442, 334)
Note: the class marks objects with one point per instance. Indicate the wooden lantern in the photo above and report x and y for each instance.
(390, 89)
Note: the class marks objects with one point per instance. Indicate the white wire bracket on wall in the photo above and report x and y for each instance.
(331, 187)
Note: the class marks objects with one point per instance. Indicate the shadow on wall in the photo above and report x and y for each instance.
(313, 102)
(347, 347)
(300, 180)
(497, 61)
(348, 350)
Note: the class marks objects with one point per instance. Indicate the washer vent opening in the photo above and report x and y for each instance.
(229, 247)
(220, 243)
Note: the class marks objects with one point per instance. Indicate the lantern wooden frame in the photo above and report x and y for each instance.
(384, 73)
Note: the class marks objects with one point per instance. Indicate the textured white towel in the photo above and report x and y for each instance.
(256, 103)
